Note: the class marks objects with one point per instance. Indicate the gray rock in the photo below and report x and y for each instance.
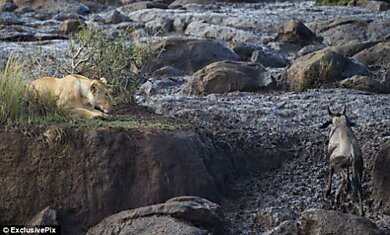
(160, 25)
(273, 216)
(228, 76)
(245, 50)
(185, 2)
(221, 32)
(288, 227)
(320, 68)
(381, 176)
(372, 5)
(269, 59)
(23, 10)
(310, 49)
(363, 83)
(116, 17)
(156, 225)
(47, 216)
(317, 221)
(8, 6)
(82, 9)
(176, 216)
(379, 30)
(71, 26)
(189, 55)
(62, 16)
(8, 18)
(169, 71)
(296, 32)
(143, 5)
(339, 31)
(353, 47)
(376, 55)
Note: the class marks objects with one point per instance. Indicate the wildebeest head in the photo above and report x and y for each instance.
(337, 119)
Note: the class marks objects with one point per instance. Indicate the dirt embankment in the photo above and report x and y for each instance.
(90, 173)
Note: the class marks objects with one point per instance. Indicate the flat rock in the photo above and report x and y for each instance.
(364, 83)
(318, 221)
(182, 215)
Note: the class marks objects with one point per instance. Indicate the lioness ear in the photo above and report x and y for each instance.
(93, 88)
(103, 80)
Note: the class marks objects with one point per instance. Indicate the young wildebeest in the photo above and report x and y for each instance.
(344, 152)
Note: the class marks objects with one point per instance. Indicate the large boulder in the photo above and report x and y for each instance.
(269, 59)
(381, 176)
(190, 55)
(182, 215)
(318, 221)
(372, 5)
(296, 32)
(377, 55)
(364, 83)
(71, 26)
(227, 76)
(320, 68)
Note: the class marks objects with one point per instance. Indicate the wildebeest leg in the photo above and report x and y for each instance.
(361, 212)
(329, 188)
(348, 181)
(342, 187)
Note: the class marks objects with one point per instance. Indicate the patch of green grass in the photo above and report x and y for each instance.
(317, 76)
(129, 123)
(21, 105)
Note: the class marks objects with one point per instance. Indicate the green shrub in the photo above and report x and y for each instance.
(21, 105)
(95, 55)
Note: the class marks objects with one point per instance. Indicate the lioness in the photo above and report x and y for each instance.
(84, 97)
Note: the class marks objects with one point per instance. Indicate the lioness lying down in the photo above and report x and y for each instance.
(84, 97)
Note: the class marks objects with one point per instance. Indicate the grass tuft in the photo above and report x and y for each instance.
(21, 105)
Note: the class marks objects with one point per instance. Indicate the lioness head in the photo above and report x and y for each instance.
(101, 97)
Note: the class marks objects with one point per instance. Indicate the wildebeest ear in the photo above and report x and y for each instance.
(344, 110)
(94, 87)
(329, 111)
(325, 125)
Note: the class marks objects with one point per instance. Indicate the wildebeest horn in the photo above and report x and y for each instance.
(329, 111)
(344, 109)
